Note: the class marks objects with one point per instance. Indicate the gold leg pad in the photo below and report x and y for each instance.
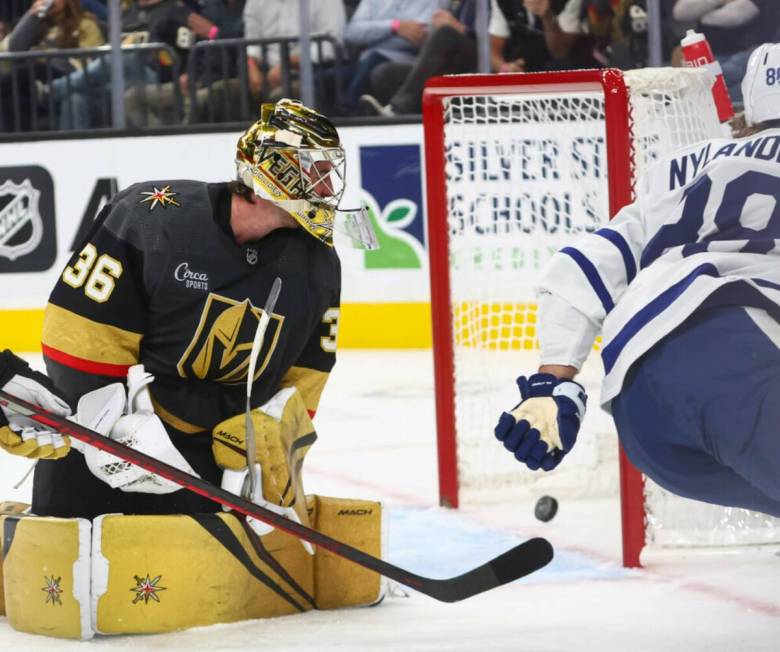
(46, 575)
(339, 582)
(164, 573)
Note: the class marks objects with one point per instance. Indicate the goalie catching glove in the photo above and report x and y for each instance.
(283, 435)
(130, 420)
(19, 434)
(543, 427)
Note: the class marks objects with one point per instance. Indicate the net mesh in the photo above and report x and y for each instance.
(526, 174)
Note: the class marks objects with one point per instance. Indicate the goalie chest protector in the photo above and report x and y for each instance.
(176, 293)
(159, 280)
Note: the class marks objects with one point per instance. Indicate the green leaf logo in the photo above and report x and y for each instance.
(397, 214)
(397, 249)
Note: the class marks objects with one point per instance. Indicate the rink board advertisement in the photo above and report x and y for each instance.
(516, 194)
(50, 192)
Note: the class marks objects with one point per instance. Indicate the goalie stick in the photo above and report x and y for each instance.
(257, 342)
(518, 562)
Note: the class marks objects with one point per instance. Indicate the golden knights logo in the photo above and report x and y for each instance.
(21, 226)
(53, 589)
(282, 168)
(220, 348)
(162, 196)
(147, 588)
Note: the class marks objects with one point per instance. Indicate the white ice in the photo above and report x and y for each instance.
(376, 427)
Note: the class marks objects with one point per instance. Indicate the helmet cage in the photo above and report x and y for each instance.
(292, 156)
(322, 175)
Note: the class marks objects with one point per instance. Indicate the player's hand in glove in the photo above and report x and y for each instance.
(237, 482)
(19, 434)
(283, 435)
(130, 420)
(543, 427)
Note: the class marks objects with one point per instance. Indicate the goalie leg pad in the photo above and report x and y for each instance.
(339, 582)
(8, 507)
(46, 575)
(165, 573)
(153, 573)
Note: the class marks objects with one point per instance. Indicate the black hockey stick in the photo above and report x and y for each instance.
(518, 562)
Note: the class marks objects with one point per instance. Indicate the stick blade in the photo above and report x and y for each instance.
(522, 560)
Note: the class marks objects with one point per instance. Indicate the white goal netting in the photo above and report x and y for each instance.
(526, 173)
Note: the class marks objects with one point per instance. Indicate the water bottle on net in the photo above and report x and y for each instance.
(697, 53)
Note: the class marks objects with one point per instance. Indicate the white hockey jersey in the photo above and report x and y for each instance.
(704, 230)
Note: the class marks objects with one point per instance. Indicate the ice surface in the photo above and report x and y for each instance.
(376, 427)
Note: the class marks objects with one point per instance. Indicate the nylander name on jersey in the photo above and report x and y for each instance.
(685, 167)
(704, 230)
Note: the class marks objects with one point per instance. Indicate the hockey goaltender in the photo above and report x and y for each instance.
(141, 355)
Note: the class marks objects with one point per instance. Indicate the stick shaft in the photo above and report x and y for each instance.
(257, 344)
(529, 556)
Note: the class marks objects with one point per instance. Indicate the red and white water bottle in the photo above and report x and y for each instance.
(698, 54)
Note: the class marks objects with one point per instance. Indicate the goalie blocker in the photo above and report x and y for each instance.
(146, 574)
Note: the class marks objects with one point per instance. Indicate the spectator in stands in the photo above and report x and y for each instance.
(47, 25)
(385, 30)
(517, 34)
(449, 48)
(734, 28)
(167, 21)
(156, 104)
(594, 33)
(97, 8)
(52, 25)
(269, 19)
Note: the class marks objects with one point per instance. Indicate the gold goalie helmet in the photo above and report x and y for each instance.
(292, 156)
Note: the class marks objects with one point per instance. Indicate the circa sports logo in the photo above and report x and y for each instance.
(27, 234)
(191, 278)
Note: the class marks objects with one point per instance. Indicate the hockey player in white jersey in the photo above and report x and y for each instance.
(684, 287)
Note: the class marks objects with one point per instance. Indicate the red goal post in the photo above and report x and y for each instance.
(619, 157)
(516, 165)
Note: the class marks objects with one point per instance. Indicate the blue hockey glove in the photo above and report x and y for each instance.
(543, 427)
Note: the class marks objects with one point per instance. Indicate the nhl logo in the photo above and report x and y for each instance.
(21, 227)
(251, 256)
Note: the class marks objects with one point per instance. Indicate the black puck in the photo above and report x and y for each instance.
(546, 508)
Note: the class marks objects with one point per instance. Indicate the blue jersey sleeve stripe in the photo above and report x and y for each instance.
(612, 351)
(766, 284)
(620, 242)
(694, 248)
(592, 275)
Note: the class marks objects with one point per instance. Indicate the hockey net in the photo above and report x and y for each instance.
(516, 167)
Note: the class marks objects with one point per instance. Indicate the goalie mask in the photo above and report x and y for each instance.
(292, 156)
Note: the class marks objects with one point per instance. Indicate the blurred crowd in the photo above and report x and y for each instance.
(218, 59)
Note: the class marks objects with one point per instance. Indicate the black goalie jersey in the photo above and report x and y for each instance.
(159, 280)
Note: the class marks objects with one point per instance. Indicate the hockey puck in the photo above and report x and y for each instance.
(546, 508)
